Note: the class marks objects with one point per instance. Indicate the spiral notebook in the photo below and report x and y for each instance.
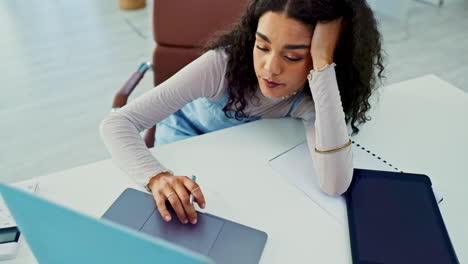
(297, 167)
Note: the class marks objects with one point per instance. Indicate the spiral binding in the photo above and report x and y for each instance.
(378, 157)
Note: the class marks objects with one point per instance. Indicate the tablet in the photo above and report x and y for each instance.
(394, 218)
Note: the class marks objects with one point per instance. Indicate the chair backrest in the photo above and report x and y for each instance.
(181, 28)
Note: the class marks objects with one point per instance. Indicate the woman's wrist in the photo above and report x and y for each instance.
(321, 63)
(153, 180)
(318, 70)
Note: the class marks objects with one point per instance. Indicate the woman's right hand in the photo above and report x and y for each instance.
(176, 189)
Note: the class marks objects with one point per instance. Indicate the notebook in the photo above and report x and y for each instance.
(297, 167)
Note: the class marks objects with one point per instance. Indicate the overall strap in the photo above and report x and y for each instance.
(295, 103)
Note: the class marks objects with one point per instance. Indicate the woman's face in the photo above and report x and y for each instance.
(281, 54)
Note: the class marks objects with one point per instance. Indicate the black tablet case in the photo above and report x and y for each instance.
(394, 218)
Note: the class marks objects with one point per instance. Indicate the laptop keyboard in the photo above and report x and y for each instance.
(6, 220)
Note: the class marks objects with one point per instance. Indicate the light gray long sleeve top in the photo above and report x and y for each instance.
(322, 115)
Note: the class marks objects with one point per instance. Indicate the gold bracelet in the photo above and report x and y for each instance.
(335, 149)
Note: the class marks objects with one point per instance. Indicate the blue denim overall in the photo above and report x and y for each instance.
(199, 117)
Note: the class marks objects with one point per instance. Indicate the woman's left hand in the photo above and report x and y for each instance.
(324, 41)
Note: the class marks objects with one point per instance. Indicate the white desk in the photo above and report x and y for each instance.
(232, 169)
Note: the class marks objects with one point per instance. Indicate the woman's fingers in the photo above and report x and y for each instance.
(177, 190)
(185, 200)
(195, 190)
(161, 205)
(176, 204)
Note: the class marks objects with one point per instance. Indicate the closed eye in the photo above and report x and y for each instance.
(295, 59)
(262, 49)
(288, 58)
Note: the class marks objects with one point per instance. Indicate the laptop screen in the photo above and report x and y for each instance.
(8, 235)
(57, 235)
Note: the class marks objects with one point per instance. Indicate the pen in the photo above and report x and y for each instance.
(194, 178)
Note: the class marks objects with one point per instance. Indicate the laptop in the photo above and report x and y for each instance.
(57, 235)
(217, 238)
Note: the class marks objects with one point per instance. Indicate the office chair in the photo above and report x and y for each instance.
(180, 29)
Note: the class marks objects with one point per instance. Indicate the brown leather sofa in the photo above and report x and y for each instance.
(180, 29)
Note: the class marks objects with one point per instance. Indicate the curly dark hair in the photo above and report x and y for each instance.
(359, 56)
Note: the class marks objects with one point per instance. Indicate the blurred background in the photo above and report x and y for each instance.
(62, 61)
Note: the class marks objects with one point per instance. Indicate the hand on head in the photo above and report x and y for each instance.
(324, 42)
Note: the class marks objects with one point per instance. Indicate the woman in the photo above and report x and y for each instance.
(309, 59)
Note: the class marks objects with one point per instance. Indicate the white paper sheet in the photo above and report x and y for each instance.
(297, 166)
